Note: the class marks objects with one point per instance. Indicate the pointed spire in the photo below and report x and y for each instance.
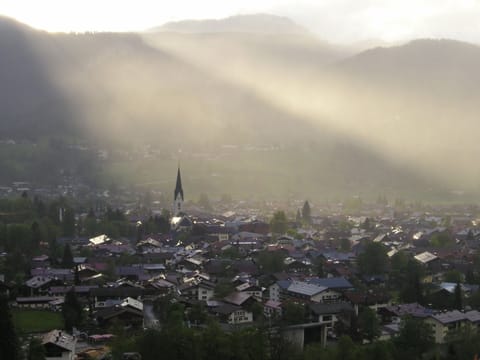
(178, 186)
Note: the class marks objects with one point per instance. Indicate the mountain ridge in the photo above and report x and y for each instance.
(299, 106)
(251, 23)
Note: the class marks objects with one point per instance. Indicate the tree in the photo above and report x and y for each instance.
(72, 311)
(67, 259)
(453, 276)
(379, 350)
(470, 277)
(458, 297)
(315, 351)
(474, 300)
(223, 288)
(68, 223)
(306, 213)
(37, 235)
(271, 261)
(279, 223)
(204, 202)
(412, 290)
(9, 345)
(36, 351)
(293, 313)
(345, 244)
(216, 344)
(319, 266)
(373, 260)
(298, 217)
(346, 349)
(366, 225)
(398, 266)
(369, 324)
(414, 339)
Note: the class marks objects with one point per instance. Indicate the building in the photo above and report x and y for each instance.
(59, 345)
(178, 196)
(450, 324)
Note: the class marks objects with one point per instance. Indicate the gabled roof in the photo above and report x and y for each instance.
(133, 303)
(338, 256)
(38, 281)
(61, 339)
(274, 304)
(100, 239)
(473, 316)
(449, 317)
(237, 298)
(331, 283)
(116, 310)
(284, 284)
(425, 257)
(303, 288)
(412, 309)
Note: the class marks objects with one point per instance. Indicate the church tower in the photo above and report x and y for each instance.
(178, 195)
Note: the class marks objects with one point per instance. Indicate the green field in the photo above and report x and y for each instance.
(31, 321)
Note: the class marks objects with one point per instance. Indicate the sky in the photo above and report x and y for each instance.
(338, 21)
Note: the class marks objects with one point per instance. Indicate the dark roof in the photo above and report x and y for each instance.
(412, 309)
(77, 289)
(61, 339)
(366, 297)
(113, 311)
(35, 299)
(332, 283)
(237, 298)
(178, 186)
(117, 292)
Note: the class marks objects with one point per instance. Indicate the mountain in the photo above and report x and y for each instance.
(447, 66)
(271, 112)
(256, 24)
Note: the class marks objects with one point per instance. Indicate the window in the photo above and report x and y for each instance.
(327, 317)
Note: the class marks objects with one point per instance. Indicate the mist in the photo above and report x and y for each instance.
(271, 114)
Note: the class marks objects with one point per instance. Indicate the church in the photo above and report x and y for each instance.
(178, 195)
(180, 221)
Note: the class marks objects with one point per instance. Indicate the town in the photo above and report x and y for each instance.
(378, 280)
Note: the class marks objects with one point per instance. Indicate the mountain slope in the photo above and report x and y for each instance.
(257, 24)
(270, 113)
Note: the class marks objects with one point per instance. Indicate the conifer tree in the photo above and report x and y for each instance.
(72, 311)
(67, 260)
(9, 345)
(458, 299)
(306, 213)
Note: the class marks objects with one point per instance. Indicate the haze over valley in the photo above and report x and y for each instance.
(251, 104)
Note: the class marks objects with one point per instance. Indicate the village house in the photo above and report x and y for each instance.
(59, 345)
(450, 323)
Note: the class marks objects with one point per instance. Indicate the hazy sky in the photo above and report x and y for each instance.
(342, 21)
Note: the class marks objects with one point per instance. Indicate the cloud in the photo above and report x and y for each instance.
(348, 21)
(343, 21)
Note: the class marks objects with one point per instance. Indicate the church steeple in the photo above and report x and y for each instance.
(178, 195)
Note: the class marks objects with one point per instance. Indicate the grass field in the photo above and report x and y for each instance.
(31, 321)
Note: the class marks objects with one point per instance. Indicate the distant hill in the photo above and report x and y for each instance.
(256, 23)
(447, 66)
(272, 110)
